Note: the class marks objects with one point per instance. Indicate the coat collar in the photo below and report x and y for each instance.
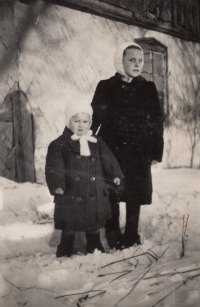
(137, 81)
(75, 145)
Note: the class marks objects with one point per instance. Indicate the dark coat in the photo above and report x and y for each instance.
(132, 127)
(85, 203)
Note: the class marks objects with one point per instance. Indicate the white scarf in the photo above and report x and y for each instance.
(83, 140)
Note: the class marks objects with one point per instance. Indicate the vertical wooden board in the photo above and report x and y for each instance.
(23, 138)
(7, 155)
(180, 13)
(166, 11)
(174, 13)
(153, 5)
(196, 17)
(188, 15)
(7, 159)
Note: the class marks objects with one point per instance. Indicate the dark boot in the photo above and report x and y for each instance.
(115, 239)
(131, 236)
(94, 242)
(113, 233)
(65, 248)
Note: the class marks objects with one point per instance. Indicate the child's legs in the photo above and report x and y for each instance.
(93, 241)
(65, 248)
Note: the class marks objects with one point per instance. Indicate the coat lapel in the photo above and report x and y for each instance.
(74, 145)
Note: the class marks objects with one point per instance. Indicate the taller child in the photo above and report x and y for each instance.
(127, 109)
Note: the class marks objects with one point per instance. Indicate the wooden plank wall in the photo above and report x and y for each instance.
(176, 17)
(184, 13)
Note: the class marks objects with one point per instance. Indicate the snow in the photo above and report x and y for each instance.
(157, 273)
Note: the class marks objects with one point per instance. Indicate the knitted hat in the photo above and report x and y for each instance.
(118, 60)
(79, 105)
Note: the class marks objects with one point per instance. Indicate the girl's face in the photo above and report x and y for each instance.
(80, 123)
(133, 62)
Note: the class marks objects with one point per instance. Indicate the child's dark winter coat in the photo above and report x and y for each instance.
(85, 204)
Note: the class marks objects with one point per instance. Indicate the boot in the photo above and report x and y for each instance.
(131, 236)
(65, 248)
(115, 239)
(94, 242)
(131, 241)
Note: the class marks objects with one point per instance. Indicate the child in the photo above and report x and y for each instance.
(75, 164)
(127, 109)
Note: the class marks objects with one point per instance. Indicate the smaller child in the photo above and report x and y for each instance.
(76, 164)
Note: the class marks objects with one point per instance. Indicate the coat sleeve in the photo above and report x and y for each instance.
(99, 105)
(155, 124)
(55, 168)
(109, 162)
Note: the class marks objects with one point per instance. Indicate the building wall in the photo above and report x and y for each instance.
(63, 53)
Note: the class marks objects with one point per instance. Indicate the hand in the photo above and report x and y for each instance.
(153, 162)
(59, 191)
(117, 181)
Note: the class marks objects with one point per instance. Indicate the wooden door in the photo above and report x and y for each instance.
(16, 139)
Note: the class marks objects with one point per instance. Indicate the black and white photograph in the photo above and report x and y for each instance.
(99, 153)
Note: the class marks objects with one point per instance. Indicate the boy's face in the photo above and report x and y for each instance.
(80, 123)
(133, 62)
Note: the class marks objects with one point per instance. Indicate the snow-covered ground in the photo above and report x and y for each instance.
(163, 271)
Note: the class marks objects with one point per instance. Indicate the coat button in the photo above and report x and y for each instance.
(79, 199)
(77, 178)
(78, 157)
(93, 159)
(93, 178)
(92, 198)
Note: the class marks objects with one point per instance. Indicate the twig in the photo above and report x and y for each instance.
(171, 274)
(102, 275)
(90, 297)
(77, 293)
(163, 253)
(133, 287)
(153, 253)
(48, 290)
(152, 256)
(96, 294)
(146, 254)
(155, 284)
(81, 299)
(183, 283)
(182, 240)
(13, 212)
(7, 293)
(19, 288)
(127, 272)
(122, 260)
(186, 225)
(184, 235)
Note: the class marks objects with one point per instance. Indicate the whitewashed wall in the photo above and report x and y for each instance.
(66, 52)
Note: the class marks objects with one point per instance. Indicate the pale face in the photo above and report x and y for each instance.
(133, 62)
(80, 123)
